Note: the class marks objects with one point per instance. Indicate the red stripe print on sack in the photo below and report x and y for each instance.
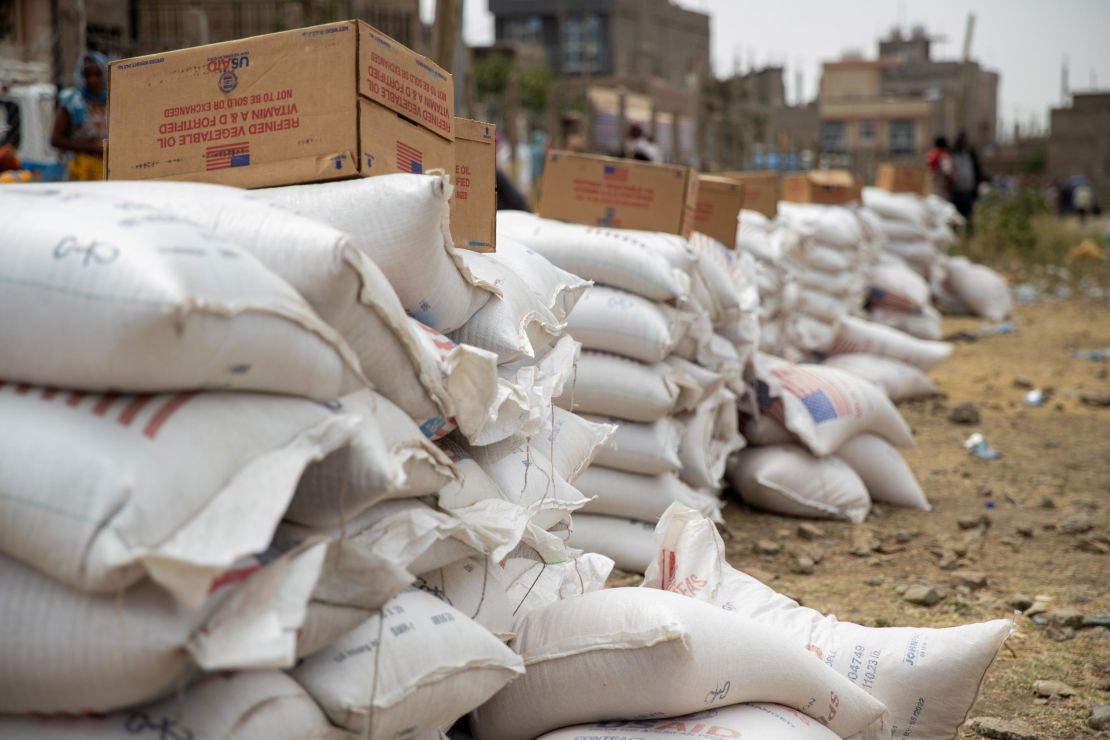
(131, 410)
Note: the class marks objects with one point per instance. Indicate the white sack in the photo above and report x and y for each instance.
(416, 667)
(895, 286)
(389, 457)
(609, 385)
(923, 323)
(787, 479)
(881, 468)
(766, 430)
(982, 289)
(581, 653)
(615, 257)
(101, 491)
(629, 543)
(627, 495)
(253, 705)
(904, 207)
(761, 721)
(88, 280)
(647, 448)
(62, 650)
(897, 379)
(927, 678)
(401, 222)
(532, 583)
(475, 587)
(711, 434)
(825, 406)
(572, 442)
(860, 335)
(558, 289)
(834, 225)
(340, 281)
(616, 321)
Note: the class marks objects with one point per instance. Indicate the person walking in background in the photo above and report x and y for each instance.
(939, 161)
(966, 177)
(81, 123)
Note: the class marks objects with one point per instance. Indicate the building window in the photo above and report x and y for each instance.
(903, 137)
(832, 136)
(524, 29)
(7, 20)
(867, 130)
(582, 44)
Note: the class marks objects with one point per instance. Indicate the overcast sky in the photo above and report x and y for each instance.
(1025, 40)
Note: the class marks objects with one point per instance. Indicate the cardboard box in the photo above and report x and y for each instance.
(474, 202)
(761, 190)
(827, 187)
(621, 193)
(719, 202)
(902, 178)
(319, 103)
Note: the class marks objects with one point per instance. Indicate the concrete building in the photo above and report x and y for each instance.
(1079, 142)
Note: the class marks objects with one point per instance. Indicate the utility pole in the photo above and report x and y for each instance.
(965, 78)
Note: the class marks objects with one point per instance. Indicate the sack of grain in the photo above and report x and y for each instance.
(646, 448)
(572, 442)
(340, 281)
(474, 586)
(416, 667)
(389, 457)
(618, 258)
(103, 490)
(898, 380)
(766, 430)
(860, 335)
(628, 542)
(882, 469)
(923, 323)
(825, 406)
(833, 225)
(583, 653)
(711, 434)
(903, 207)
(979, 287)
(90, 279)
(893, 285)
(627, 495)
(609, 385)
(757, 720)
(927, 678)
(611, 320)
(253, 705)
(62, 650)
(787, 479)
(401, 222)
(532, 583)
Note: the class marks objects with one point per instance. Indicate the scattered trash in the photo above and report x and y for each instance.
(999, 329)
(978, 446)
(1092, 355)
(1095, 398)
(1035, 397)
(1062, 291)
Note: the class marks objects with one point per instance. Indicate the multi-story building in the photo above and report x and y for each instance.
(1079, 142)
(627, 60)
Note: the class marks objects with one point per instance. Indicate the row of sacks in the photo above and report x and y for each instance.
(728, 657)
(914, 271)
(227, 447)
(667, 331)
(813, 269)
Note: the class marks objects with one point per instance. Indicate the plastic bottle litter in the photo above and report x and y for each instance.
(1035, 397)
(978, 446)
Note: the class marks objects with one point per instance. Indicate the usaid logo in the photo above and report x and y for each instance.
(226, 66)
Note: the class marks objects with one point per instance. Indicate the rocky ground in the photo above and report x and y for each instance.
(1029, 532)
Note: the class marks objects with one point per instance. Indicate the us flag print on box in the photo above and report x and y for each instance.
(822, 399)
(223, 156)
(409, 159)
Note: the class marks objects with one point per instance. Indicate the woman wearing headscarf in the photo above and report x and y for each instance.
(81, 123)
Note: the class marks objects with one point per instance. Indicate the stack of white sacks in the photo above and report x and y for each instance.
(823, 438)
(229, 445)
(666, 330)
(917, 232)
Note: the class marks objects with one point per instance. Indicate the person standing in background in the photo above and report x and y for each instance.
(639, 146)
(939, 161)
(966, 177)
(81, 123)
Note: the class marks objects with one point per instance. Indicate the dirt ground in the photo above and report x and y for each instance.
(1057, 456)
